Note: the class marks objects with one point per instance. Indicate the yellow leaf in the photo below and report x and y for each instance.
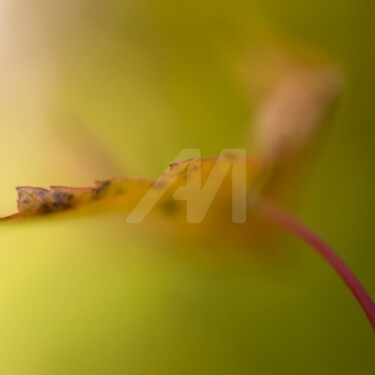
(124, 195)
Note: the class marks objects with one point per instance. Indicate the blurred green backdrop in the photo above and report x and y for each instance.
(94, 89)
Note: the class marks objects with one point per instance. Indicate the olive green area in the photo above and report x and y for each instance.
(149, 78)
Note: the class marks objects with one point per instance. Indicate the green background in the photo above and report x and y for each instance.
(106, 89)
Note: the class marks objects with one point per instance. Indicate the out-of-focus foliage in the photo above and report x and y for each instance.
(95, 89)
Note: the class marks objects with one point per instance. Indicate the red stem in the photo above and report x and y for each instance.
(289, 223)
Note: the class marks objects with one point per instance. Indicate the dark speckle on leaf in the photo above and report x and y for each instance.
(97, 191)
(62, 197)
(169, 207)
